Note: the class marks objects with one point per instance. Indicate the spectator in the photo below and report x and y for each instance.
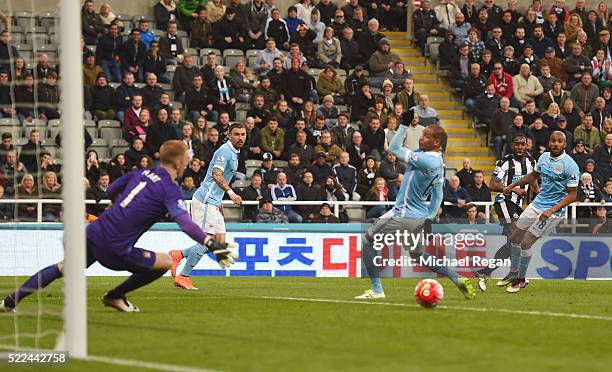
(194, 147)
(325, 215)
(472, 215)
(381, 61)
(30, 152)
(377, 111)
(390, 168)
(91, 26)
(580, 155)
(197, 171)
(215, 10)
(188, 187)
(321, 169)
(132, 115)
(24, 99)
(132, 54)
(316, 24)
(171, 46)
(366, 177)
(201, 31)
(164, 11)
(134, 153)
(518, 127)
(13, 171)
(408, 97)
(342, 132)
(601, 224)
(460, 66)
(243, 80)
(329, 51)
(369, 41)
(329, 83)
(576, 66)
(268, 213)
(588, 133)
(165, 104)
(540, 42)
(607, 195)
(272, 138)
(6, 98)
(503, 81)
(283, 113)
(466, 174)
(253, 192)
(427, 115)
(561, 125)
(349, 50)
(339, 22)
(187, 12)
(6, 146)
(151, 92)
(526, 86)
(327, 9)
(296, 85)
(474, 85)
(602, 155)
(328, 111)
(6, 209)
(228, 32)
(48, 98)
(509, 61)
(475, 45)
(258, 111)
(555, 95)
(222, 94)
(277, 30)
(125, 94)
(483, 23)
(183, 77)
(292, 20)
(588, 192)
(155, 64)
(333, 192)
(487, 104)
(425, 23)
(254, 17)
(103, 99)
(116, 168)
(479, 192)
(265, 58)
(97, 193)
(27, 190)
(90, 70)
(555, 64)
(530, 113)
(458, 196)
(397, 76)
(294, 169)
(8, 52)
(159, 133)
(599, 113)
(332, 152)
(459, 27)
(357, 150)
(301, 148)
(282, 191)
(265, 90)
(353, 83)
(496, 43)
(541, 136)
(584, 94)
(346, 175)
(380, 193)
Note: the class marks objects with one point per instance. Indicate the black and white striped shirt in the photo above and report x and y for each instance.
(509, 170)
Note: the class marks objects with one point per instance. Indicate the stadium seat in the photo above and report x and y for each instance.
(355, 213)
(158, 34)
(114, 84)
(35, 123)
(16, 29)
(118, 150)
(204, 51)
(41, 129)
(35, 30)
(171, 68)
(109, 134)
(24, 19)
(103, 152)
(46, 18)
(91, 48)
(252, 53)
(24, 48)
(181, 33)
(46, 48)
(54, 123)
(243, 106)
(191, 52)
(434, 52)
(9, 122)
(232, 52)
(16, 131)
(93, 131)
(137, 18)
(20, 141)
(17, 39)
(239, 184)
(109, 124)
(139, 85)
(89, 123)
(231, 61)
(99, 142)
(177, 104)
(53, 132)
(232, 213)
(252, 61)
(241, 115)
(37, 40)
(117, 142)
(280, 163)
(186, 43)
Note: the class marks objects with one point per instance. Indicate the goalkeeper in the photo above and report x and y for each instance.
(140, 198)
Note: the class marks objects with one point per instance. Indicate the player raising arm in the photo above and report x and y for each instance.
(424, 177)
(206, 203)
(560, 174)
(140, 199)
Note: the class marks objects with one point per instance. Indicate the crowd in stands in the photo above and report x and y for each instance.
(319, 90)
(532, 72)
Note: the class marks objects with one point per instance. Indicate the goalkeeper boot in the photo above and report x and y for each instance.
(121, 304)
(184, 282)
(466, 287)
(4, 308)
(177, 256)
(371, 295)
(508, 279)
(517, 284)
(482, 282)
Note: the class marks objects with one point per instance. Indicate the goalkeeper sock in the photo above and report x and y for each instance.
(134, 282)
(195, 255)
(515, 254)
(524, 262)
(369, 253)
(37, 281)
(443, 270)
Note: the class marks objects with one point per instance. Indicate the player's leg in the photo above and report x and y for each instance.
(145, 266)
(214, 225)
(38, 281)
(517, 232)
(535, 232)
(368, 254)
(197, 215)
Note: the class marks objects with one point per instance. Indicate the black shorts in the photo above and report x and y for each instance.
(507, 212)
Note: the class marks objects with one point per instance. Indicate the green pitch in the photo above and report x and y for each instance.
(260, 324)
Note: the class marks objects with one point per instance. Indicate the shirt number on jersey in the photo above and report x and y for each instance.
(128, 199)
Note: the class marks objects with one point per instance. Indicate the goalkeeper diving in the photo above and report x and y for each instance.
(140, 199)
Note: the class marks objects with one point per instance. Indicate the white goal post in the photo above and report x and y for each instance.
(75, 290)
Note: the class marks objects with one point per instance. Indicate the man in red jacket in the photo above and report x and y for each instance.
(503, 83)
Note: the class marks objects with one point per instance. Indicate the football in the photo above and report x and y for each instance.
(428, 292)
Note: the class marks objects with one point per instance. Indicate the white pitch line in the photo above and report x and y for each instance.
(463, 308)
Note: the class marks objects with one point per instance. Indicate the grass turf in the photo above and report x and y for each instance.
(228, 325)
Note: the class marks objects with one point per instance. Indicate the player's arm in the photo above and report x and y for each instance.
(498, 175)
(217, 176)
(115, 188)
(396, 145)
(528, 179)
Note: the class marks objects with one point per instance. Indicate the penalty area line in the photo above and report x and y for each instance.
(462, 308)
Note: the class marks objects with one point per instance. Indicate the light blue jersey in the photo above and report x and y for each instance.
(557, 175)
(424, 177)
(226, 159)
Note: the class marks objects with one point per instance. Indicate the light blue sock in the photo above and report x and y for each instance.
(443, 270)
(524, 262)
(515, 254)
(195, 255)
(186, 251)
(369, 253)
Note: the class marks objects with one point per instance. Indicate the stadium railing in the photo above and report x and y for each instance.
(570, 215)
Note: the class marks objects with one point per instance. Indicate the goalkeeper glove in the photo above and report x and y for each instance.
(407, 117)
(222, 251)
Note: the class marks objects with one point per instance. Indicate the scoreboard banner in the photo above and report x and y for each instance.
(330, 253)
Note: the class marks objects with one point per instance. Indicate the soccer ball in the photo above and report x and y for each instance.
(428, 293)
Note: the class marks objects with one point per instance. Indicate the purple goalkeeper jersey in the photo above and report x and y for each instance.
(140, 199)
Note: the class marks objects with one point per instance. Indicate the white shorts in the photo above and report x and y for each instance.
(529, 221)
(208, 217)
